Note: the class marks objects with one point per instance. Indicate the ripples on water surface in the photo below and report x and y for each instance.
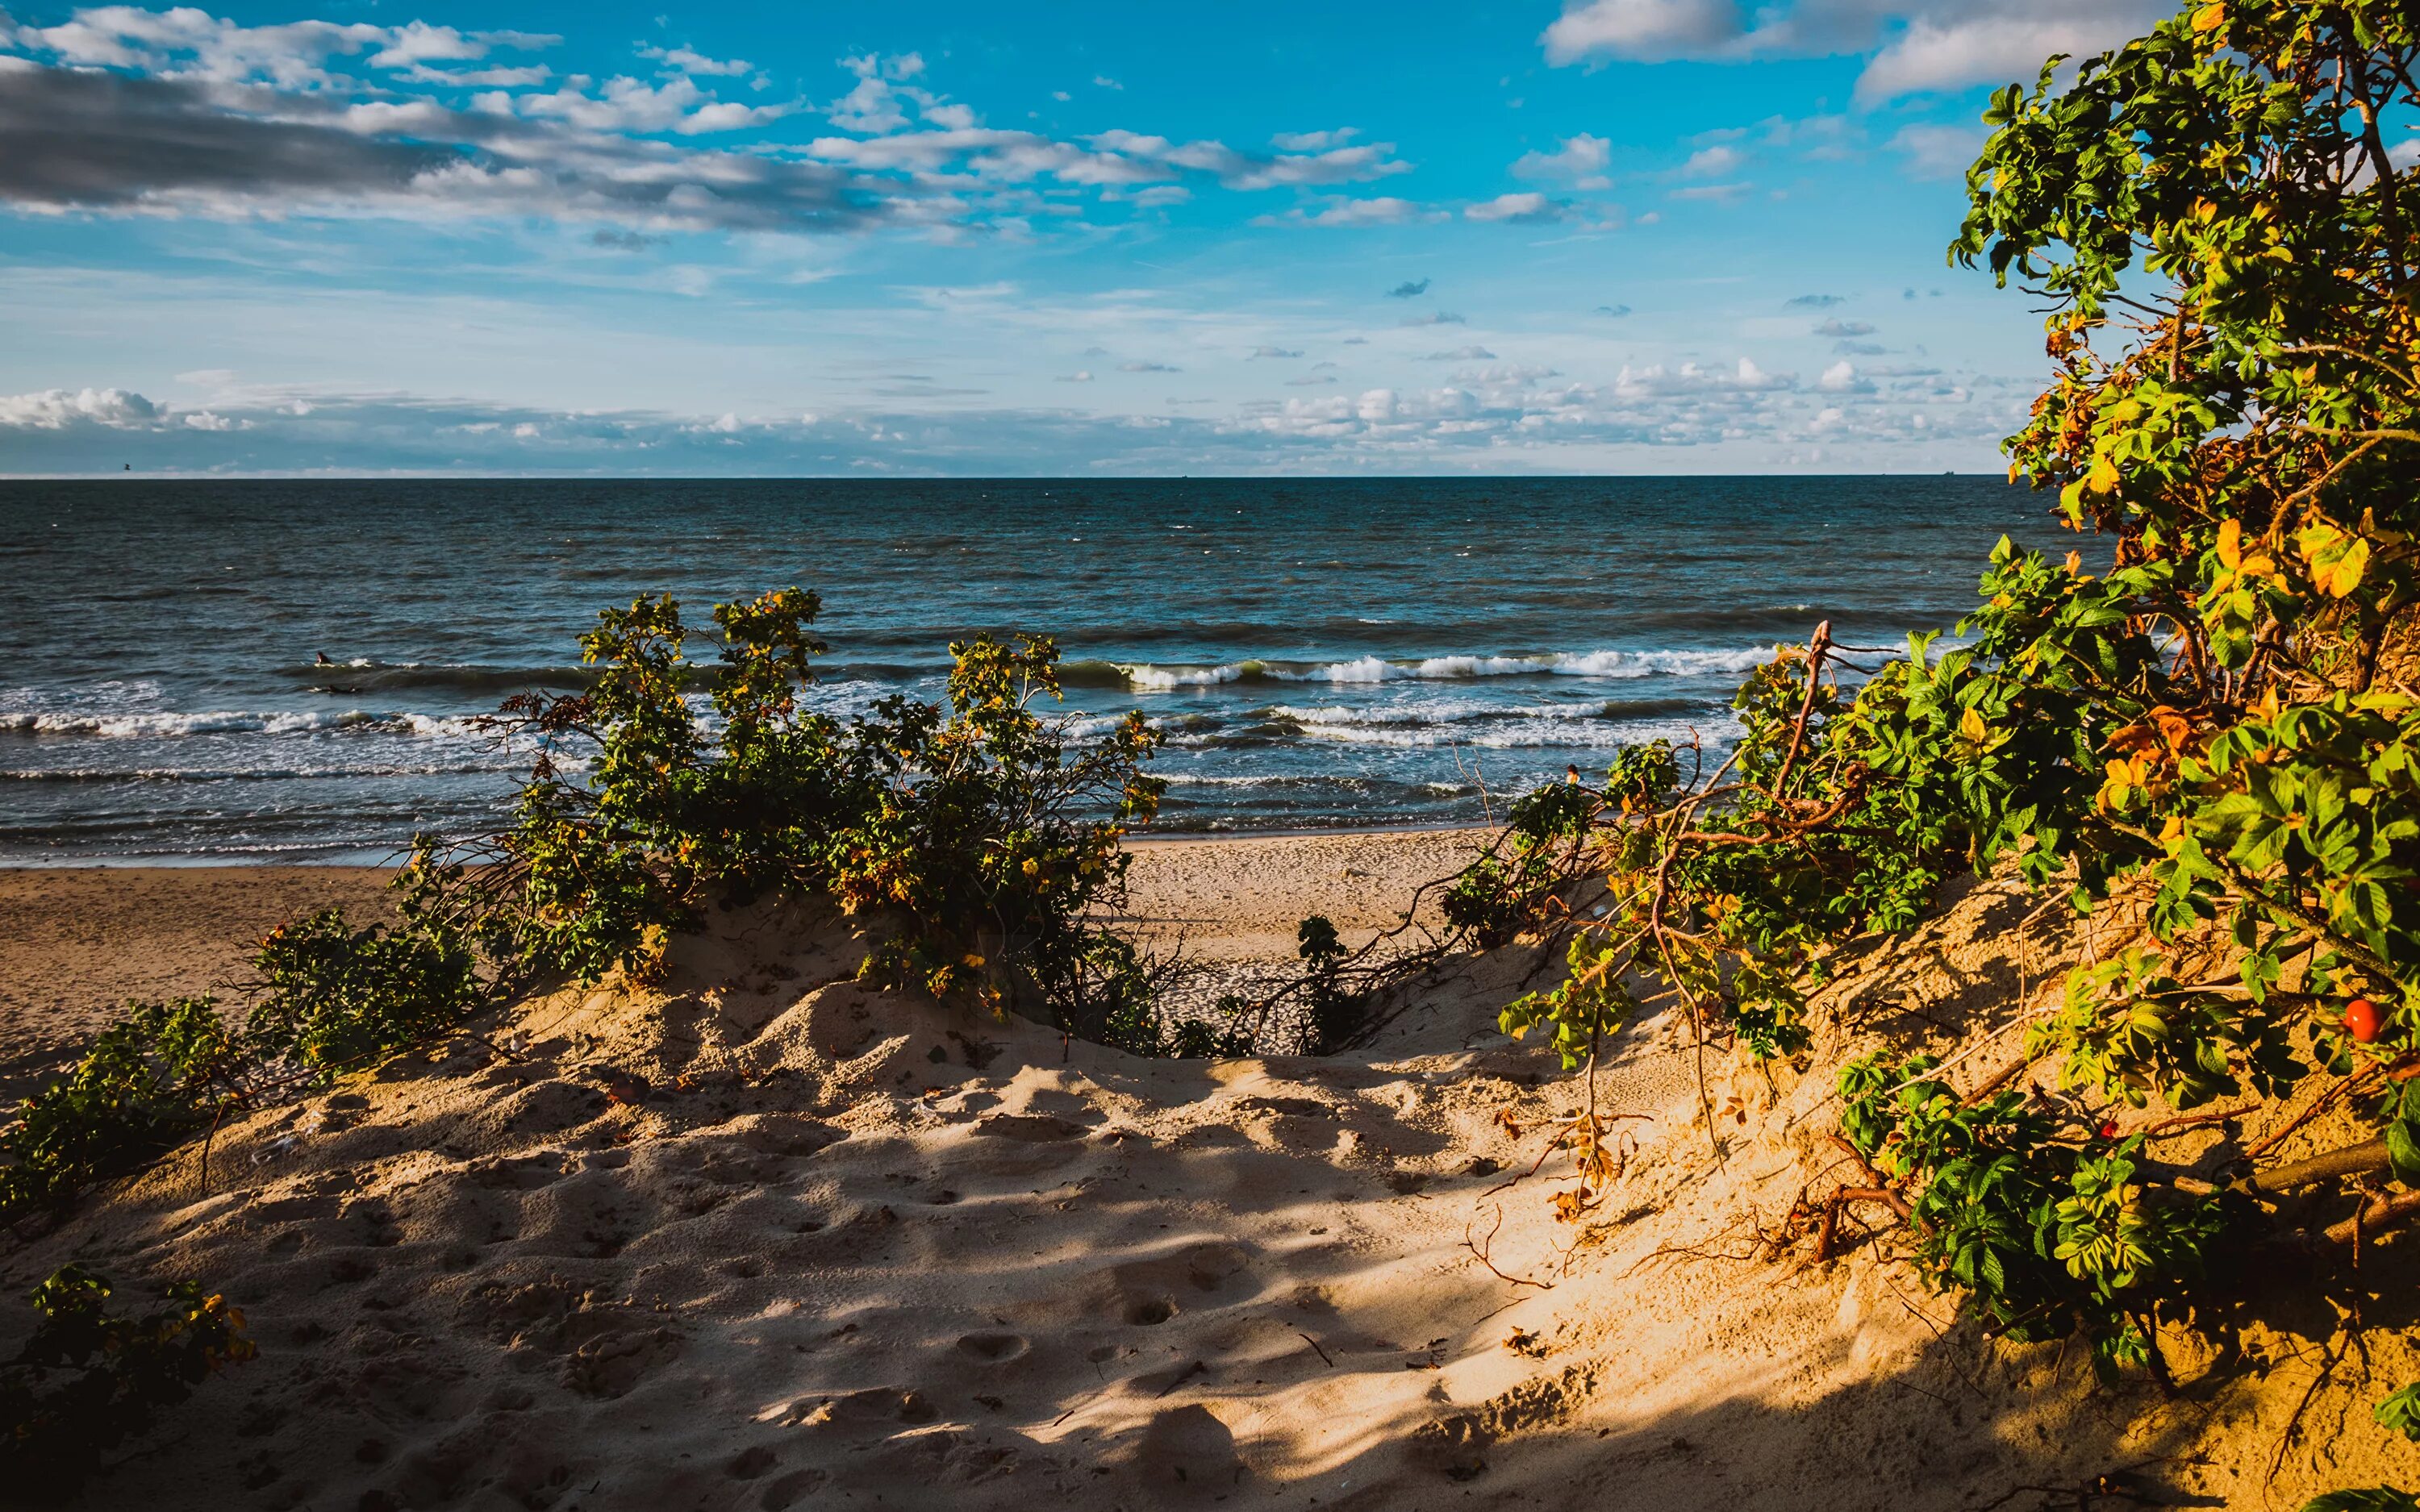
(1321, 653)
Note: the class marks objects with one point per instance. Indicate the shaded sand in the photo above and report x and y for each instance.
(762, 1239)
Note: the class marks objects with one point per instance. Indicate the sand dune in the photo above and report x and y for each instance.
(763, 1239)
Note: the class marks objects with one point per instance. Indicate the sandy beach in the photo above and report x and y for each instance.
(760, 1238)
(77, 942)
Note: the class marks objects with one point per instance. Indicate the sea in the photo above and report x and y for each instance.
(1320, 655)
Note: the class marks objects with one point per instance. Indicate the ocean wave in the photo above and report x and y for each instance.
(1314, 780)
(1476, 712)
(1622, 665)
(168, 725)
(364, 674)
(103, 774)
(1550, 734)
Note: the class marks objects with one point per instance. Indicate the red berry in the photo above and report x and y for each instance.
(2108, 1129)
(2363, 1021)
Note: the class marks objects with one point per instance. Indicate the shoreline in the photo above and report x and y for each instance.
(78, 940)
(351, 861)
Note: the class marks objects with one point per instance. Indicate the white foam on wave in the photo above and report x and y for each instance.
(1148, 678)
(164, 725)
(1434, 712)
(1525, 733)
(1316, 780)
(1145, 677)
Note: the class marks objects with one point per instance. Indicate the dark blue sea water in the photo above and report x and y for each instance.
(1321, 653)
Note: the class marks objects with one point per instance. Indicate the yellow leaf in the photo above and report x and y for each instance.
(2103, 477)
(2337, 559)
(2230, 543)
(2209, 17)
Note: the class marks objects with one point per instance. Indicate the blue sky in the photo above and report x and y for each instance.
(1612, 235)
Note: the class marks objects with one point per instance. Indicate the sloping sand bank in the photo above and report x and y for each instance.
(762, 1238)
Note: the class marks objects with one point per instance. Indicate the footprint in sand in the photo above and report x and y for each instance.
(992, 1349)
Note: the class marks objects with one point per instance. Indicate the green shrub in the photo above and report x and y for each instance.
(1334, 1012)
(332, 997)
(146, 1084)
(993, 842)
(89, 1379)
(979, 835)
(2221, 725)
(1504, 892)
(327, 999)
(2046, 1237)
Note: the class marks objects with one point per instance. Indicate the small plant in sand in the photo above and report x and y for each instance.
(89, 1377)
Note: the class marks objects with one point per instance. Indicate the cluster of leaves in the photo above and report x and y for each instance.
(2222, 726)
(136, 1092)
(89, 1378)
(979, 833)
(1504, 892)
(2050, 1236)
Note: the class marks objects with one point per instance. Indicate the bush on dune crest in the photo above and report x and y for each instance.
(979, 836)
(2221, 732)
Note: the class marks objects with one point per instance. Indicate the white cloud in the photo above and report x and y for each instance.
(1521, 208)
(1647, 31)
(630, 105)
(111, 137)
(1493, 419)
(1578, 160)
(187, 42)
(683, 60)
(1713, 162)
(1939, 151)
(1383, 209)
(419, 42)
(1259, 170)
(873, 104)
(57, 408)
(1921, 47)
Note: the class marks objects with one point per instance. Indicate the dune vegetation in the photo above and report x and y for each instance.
(2181, 794)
